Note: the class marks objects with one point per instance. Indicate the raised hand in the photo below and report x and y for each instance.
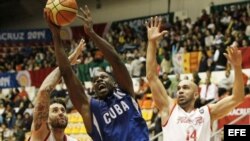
(55, 29)
(234, 55)
(153, 29)
(77, 52)
(87, 19)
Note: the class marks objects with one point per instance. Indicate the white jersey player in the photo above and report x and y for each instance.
(186, 122)
(183, 126)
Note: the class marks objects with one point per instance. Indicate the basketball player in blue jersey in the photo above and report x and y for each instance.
(181, 116)
(114, 115)
(49, 116)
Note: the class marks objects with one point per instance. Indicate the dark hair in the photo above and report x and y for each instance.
(59, 101)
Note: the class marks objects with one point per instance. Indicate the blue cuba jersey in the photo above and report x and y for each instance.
(117, 118)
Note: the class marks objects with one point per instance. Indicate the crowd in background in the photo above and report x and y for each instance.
(210, 33)
(16, 114)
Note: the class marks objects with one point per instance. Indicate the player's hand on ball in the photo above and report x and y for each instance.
(55, 29)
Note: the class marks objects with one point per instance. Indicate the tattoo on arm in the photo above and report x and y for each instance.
(48, 91)
(41, 114)
(41, 110)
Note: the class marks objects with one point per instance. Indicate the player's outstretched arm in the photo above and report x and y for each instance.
(120, 71)
(76, 91)
(41, 110)
(228, 103)
(160, 96)
(39, 126)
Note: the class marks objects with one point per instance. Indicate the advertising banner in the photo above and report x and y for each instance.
(32, 35)
(8, 80)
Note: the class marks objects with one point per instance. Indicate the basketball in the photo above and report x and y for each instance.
(61, 12)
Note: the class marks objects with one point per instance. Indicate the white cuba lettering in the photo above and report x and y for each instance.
(115, 111)
(106, 117)
(125, 106)
(112, 113)
(118, 109)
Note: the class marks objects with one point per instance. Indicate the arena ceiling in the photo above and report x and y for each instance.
(17, 9)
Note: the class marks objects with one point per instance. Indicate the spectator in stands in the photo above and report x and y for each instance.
(166, 82)
(128, 64)
(7, 133)
(11, 96)
(49, 116)
(9, 116)
(19, 134)
(166, 66)
(88, 58)
(218, 38)
(23, 93)
(143, 66)
(69, 105)
(205, 62)
(143, 88)
(218, 58)
(19, 120)
(209, 39)
(204, 16)
(1, 111)
(226, 18)
(177, 22)
(196, 78)
(29, 109)
(245, 43)
(209, 91)
(98, 114)
(2, 96)
(24, 104)
(10, 67)
(174, 83)
(27, 122)
(136, 65)
(134, 34)
(176, 115)
(99, 63)
(2, 64)
(247, 32)
(227, 81)
(59, 92)
(10, 120)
